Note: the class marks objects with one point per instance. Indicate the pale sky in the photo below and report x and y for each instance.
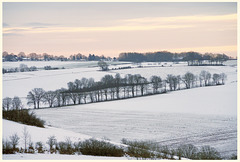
(111, 28)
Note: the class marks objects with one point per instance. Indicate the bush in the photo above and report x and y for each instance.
(66, 147)
(189, 151)
(14, 140)
(208, 153)
(100, 148)
(140, 153)
(31, 148)
(39, 147)
(7, 147)
(233, 157)
(166, 151)
(52, 142)
(23, 116)
(140, 149)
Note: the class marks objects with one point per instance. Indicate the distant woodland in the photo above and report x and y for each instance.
(47, 57)
(193, 58)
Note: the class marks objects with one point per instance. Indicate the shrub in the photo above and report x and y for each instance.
(172, 153)
(165, 150)
(7, 147)
(77, 146)
(100, 148)
(208, 153)
(140, 153)
(31, 148)
(66, 147)
(14, 140)
(52, 142)
(140, 149)
(189, 151)
(39, 147)
(23, 116)
(233, 157)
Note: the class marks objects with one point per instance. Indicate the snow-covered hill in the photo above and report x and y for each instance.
(41, 135)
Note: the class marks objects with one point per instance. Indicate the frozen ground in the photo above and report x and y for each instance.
(201, 116)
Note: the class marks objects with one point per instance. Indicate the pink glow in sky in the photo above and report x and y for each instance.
(112, 28)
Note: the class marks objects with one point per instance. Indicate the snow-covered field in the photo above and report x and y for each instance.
(201, 116)
(188, 116)
(19, 84)
(57, 157)
(58, 64)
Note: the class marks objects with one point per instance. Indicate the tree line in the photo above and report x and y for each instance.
(82, 91)
(131, 149)
(25, 68)
(193, 58)
(21, 56)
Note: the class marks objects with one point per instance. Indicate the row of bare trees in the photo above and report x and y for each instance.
(82, 91)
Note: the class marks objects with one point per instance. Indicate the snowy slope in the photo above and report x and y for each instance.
(200, 116)
(41, 134)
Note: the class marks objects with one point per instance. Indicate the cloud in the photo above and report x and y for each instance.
(227, 48)
(36, 24)
(216, 22)
(182, 19)
(91, 29)
(11, 34)
(5, 25)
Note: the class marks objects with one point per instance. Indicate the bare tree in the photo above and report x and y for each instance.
(179, 81)
(137, 78)
(50, 97)
(107, 82)
(169, 80)
(79, 97)
(117, 80)
(78, 84)
(143, 83)
(71, 86)
(223, 77)
(103, 65)
(73, 96)
(58, 97)
(23, 68)
(25, 137)
(208, 78)
(216, 79)
(35, 97)
(14, 140)
(64, 96)
(31, 99)
(205, 76)
(6, 103)
(16, 103)
(156, 83)
(84, 94)
(131, 82)
(188, 79)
